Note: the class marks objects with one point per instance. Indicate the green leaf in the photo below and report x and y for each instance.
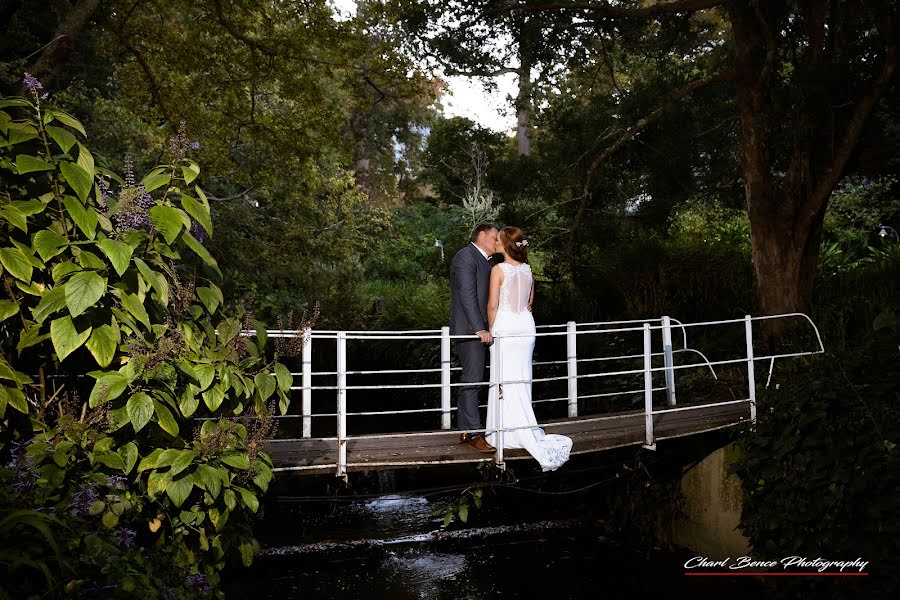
(249, 498)
(464, 513)
(15, 217)
(85, 159)
(52, 301)
(265, 385)
(15, 398)
(110, 520)
(189, 401)
(213, 397)
(8, 309)
(49, 243)
(198, 248)
(133, 305)
(16, 262)
(140, 409)
(111, 460)
(67, 119)
(190, 171)
(66, 338)
(167, 221)
(31, 336)
(79, 179)
(209, 298)
(238, 460)
(211, 479)
(183, 461)
(109, 387)
(102, 345)
(448, 518)
(179, 489)
(230, 499)
(84, 218)
(28, 207)
(199, 212)
(63, 137)
(20, 132)
(29, 164)
(118, 253)
(165, 419)
(205, 373)
(285, 379)
(149, 461)
(62, 269)
(97, 507)
(83, 290)
(129, 454)
(155, 180)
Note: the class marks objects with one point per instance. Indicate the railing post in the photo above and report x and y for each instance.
(669, 362)
(648, 390)
(342, 404)
(445, 378)
(572, 362)
(751, 372)
(496, 379)
(306, 403)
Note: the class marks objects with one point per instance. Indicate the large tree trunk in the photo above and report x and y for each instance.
(786, 210)
(362, 152)
(63, 44)
(524, 102)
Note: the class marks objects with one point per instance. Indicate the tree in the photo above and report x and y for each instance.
(807, 75)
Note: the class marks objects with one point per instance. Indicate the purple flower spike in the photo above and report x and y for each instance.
(32, 83)
(197, 231)
(197, 584)
(125, 537)
(116, 482)
(82, 500)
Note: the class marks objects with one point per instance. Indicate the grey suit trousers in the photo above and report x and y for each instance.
(471, 359)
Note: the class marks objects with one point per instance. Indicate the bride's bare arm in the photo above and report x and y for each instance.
(531, 297)
(494, 296)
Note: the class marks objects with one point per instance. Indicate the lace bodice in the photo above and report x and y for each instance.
(516, 287)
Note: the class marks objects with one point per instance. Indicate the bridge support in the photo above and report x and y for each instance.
(669, 361)
(306, 403)
(649, 441)
(445, 378)
(751, 371)
(572, 363)
(342, 404)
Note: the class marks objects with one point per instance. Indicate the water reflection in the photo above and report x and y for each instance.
(391, 547)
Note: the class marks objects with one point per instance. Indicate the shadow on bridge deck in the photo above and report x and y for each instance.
(591, 433)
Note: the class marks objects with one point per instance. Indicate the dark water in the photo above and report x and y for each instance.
(519, 544)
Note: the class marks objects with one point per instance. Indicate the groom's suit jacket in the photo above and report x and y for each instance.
(470, 279)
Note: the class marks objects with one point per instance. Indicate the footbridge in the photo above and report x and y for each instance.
(604, 384)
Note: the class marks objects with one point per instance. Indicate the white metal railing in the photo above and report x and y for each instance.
(570, 330)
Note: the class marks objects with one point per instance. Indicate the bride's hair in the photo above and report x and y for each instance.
(509, 236)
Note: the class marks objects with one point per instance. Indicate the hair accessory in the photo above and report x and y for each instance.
(522, 243)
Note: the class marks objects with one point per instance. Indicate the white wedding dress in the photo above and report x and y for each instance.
(511, 359)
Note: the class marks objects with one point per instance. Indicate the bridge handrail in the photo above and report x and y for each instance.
(572, 331)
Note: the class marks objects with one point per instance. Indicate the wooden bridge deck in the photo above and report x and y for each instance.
(589, 434)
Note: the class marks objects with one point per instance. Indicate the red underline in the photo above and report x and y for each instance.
(769, 574)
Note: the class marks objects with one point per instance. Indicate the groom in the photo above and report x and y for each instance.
(470, 277)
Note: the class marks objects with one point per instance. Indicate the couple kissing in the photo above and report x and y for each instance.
(492, 296)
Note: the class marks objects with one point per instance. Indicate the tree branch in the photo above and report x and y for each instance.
(632, 131)
(602, 8)
(831, 175)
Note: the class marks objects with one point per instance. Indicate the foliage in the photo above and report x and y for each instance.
(119, 286)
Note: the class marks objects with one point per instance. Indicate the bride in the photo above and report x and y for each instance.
(510, 321)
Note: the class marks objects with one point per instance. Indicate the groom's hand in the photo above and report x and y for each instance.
(486, 338)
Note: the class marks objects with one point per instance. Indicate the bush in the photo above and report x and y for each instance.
(113, 303)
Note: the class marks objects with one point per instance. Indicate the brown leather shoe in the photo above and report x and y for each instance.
(480, 444)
